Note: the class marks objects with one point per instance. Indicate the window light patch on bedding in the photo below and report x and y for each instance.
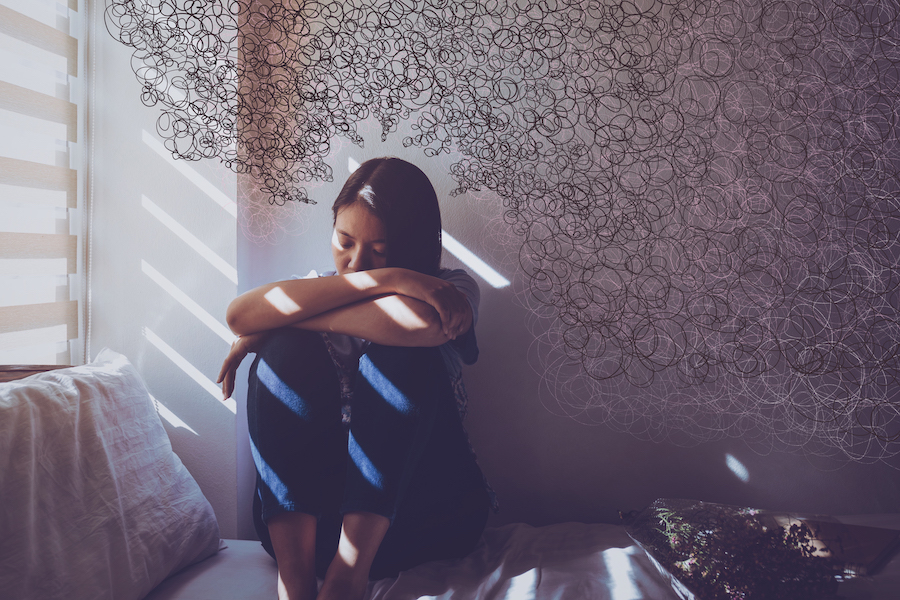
(621, 574)
(523, 586)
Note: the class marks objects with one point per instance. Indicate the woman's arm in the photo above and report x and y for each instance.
(390, 318)
(286, 303)
(393, 320)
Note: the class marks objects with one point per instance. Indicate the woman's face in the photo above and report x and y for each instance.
(358, 242)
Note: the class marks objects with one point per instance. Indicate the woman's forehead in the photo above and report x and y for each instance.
(358, 220)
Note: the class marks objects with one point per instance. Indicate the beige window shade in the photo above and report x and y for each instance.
(40, 179)
(35, 104)
(40, 35)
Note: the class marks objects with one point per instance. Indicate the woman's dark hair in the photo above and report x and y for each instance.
(401, 195)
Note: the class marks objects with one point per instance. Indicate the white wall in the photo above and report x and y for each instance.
(545, 468)
(152, 283)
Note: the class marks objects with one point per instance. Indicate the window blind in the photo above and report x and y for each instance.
(41, 181)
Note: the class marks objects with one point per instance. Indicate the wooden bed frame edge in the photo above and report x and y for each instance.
(13, 372)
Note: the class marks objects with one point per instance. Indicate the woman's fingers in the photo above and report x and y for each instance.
(236, 354)
(451, 304)
(227, 380)
(224, 370)
(239, 350)
(452, 308)
(227, 386)
(451, 327)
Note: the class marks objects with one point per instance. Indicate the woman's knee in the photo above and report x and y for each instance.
(293, 369)
(416, 376)
(289, 346)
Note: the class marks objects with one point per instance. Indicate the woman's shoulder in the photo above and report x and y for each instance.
(462, 280)
(466, 284)
(455, 275)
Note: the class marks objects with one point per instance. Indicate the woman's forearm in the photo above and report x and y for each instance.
(384, 305)
(284, 303)
(393, 320)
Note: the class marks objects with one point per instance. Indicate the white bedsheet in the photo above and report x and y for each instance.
(557, 562)
(569, 561)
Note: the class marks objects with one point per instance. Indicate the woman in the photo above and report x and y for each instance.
(363, 466)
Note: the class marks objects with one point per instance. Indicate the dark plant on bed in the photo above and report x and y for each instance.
(721, 552)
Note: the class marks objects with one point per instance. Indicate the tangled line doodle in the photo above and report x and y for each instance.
(705, 194)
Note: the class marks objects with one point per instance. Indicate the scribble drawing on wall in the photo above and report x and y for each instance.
(705, 193)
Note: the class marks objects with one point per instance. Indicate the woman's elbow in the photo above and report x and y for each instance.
(419, 324)
(232, 319)
(430, 330)
(235, 317)
(433, 335)
(410, 322)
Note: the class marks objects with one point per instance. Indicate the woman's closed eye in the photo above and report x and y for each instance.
(377, 251)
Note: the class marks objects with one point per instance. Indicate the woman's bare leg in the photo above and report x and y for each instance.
(294, 542)
(348, 574)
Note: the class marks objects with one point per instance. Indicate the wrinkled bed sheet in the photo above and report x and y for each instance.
(569, 561)
(565, 561)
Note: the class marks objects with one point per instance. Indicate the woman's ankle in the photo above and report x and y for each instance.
(343, 582)
(296, 586)
(348, 574)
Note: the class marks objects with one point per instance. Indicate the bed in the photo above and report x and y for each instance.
(96, 505)
(567, 561)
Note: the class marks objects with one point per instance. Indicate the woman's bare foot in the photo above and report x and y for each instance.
(343, 585)
(292, 588)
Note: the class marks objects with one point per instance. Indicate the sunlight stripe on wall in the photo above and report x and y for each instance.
(217, 195)
(480, 267)
(190, 370)
(173, 419)
(737, 467)
(187, 302)
(190, 239)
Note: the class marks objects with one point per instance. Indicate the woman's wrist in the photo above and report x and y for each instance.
(388, 280)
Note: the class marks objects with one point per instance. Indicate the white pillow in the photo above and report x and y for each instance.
(94, 502)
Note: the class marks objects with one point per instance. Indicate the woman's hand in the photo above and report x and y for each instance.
(449, 303)
(240, 348)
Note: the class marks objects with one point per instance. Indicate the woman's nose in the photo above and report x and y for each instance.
(358, 261)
